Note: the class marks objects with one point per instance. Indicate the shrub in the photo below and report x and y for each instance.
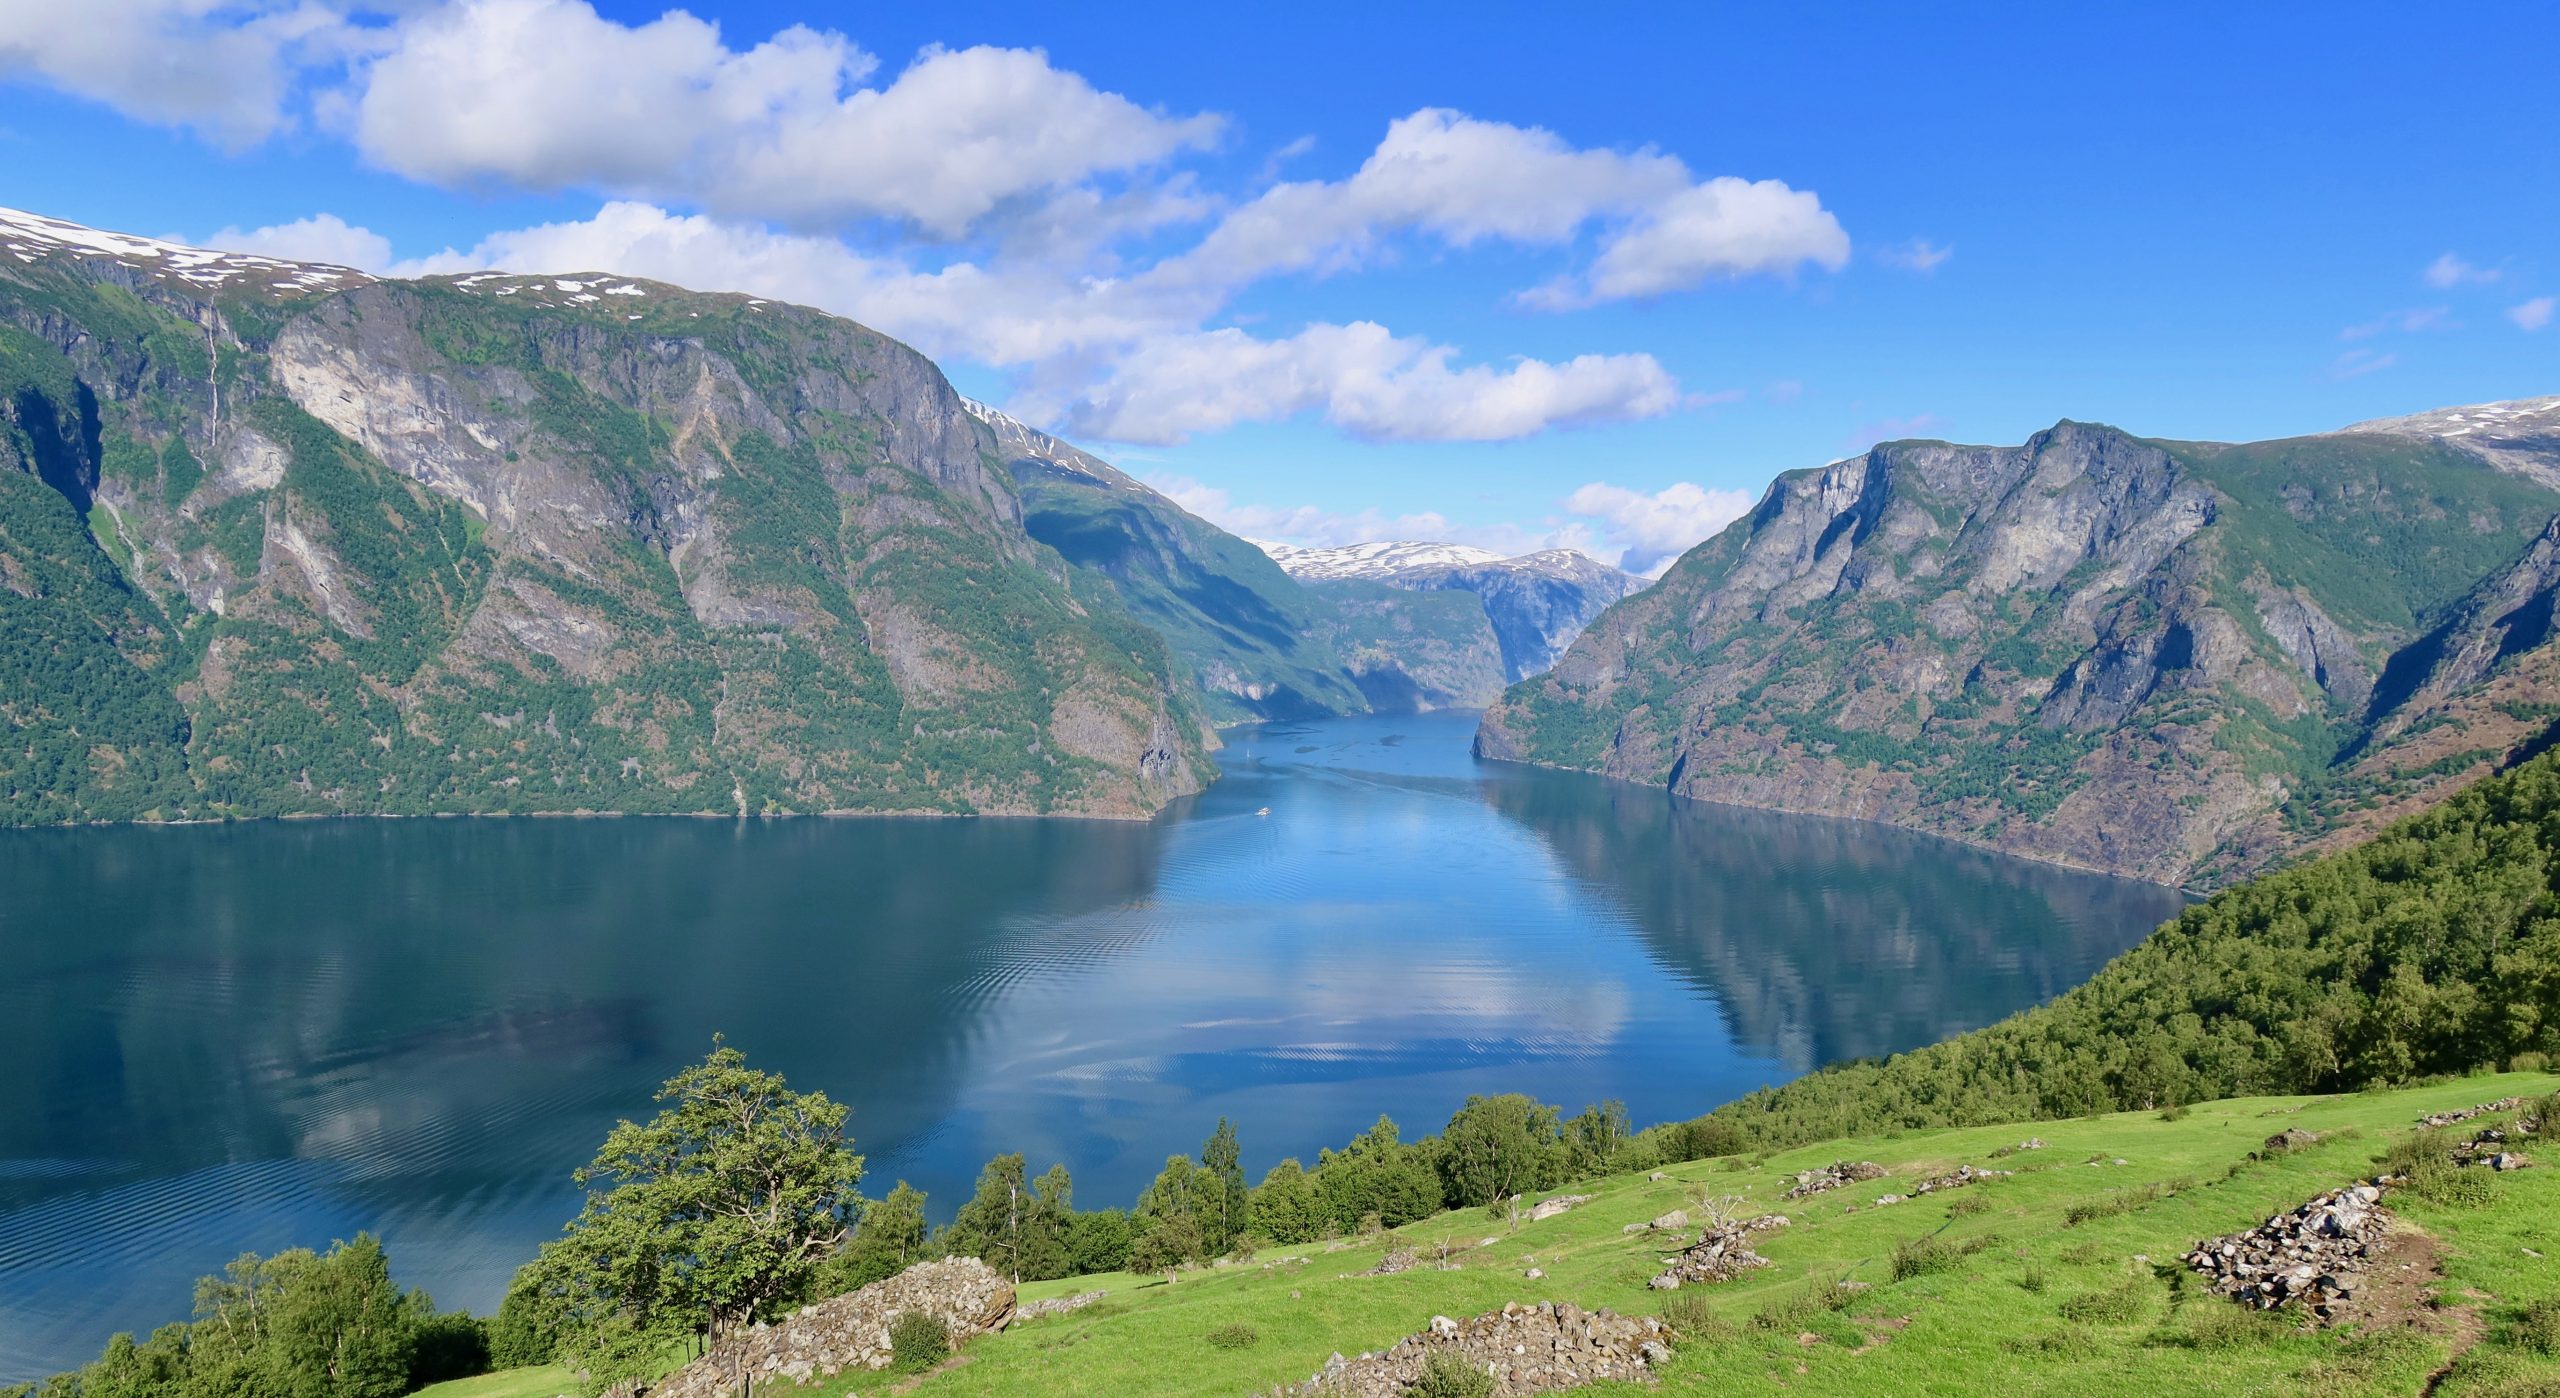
(2071, 1343)
(1968, 1206)
(1445, 1375)
(1924, 1256)
(2117, 1305)
(2529, 1063)
(1237, 1336)
(2122, 1202)
(2225, 1326)
(1793, 1312)
(1694, 1321)
(2174, 1112)
(2035, 1280)
(450, 1345)
(2538, 1329)
(917, 1342)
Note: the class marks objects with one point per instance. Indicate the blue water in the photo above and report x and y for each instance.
(253, 1037)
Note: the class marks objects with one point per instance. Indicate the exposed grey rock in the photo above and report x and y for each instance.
(1541, 1348)
(1833, 1176)
(969, 1297)
(2311, 1258)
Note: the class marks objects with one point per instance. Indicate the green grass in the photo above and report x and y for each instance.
(2107, 1311)
(540, 1381)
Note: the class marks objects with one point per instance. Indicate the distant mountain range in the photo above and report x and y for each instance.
(1536, 602)
(2176, 660)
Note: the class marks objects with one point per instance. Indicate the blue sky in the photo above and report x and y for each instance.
(1616, 267)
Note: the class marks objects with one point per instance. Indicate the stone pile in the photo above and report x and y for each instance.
(1527, 1349)
(969, 1297)
(2489, 1147)
(1721, 1253)
(1056, 1305)
(1958, 1177)
(2456, 1118)
(1548, 1208)
(2310, 1258)
(1671, 1222)
(1834, 1176)
(1400, 1260)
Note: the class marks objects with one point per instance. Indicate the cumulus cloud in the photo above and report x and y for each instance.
(548, 94)
(2451, 271)
(2533, 314)
(319, 238)
(1364, 379)
(1656, 528)
(226, 72)
(1919, 255)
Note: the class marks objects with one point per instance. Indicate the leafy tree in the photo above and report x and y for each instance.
(890, 1238)
(1377, 1174)
(342, 1330)
(1284, 1206)
(1098, 1241)
(1222, 1190)
(1164, 1242)
(1497, 1147)
(998, 1222)
(1045, 1252)
(1596, 1135)
(526, 1329)
(718, 1211)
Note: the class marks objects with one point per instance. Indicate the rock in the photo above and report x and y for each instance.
(1658, 1176)
(851, 1331)
(1833, 1176)
(2309, 1257)
(1546, 1209)
(1721, 1253)
(1535, 1274)
(1059, 1305)
(1960, 1176)
(1400, 1260)
(2453, 1118)
(1527, 1349)
(1671, 1222)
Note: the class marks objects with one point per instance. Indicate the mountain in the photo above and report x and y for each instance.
(1537, 602)
(2181, 661)
(286, 539)
(1250, 639)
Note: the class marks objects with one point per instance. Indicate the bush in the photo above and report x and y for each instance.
(2035, 1280)
(1793, 1312)
(2123, 1202)
(1694, 1321)
(2072, 1343)
(2175, 1112)
(917, 1342)
(1238, 1336)
(1968, 1206)
(2225, 1325)
(2117, 1305)
(452, 1345)
(1445, 1375)
(2529, 1063)
(2538, 1329)
(1924, 1256)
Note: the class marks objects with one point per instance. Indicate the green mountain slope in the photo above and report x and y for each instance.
(292, 540)
(2178, 661)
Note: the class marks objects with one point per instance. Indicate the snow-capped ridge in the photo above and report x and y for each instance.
(32, 237)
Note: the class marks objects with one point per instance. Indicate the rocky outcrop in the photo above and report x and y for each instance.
(1957, 1178)
(1833, 1176)
(850, 1332)
(1057, 1305)
(2459, 1115)
(1549, 1208)
(2177, 661)
(1723, 1251)
(1543, 1348)
(496, 544)
(2312, 1258)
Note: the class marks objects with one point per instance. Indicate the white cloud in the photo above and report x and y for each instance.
(1654, 529)
(1723, 228)
(548, 94)
(2407, 322)
(1364, 379)
(224, 71)
(2533, 314)
(1893, 429)
(1919, 255)
(2356, 363)
(319, 238)
(2451, 271)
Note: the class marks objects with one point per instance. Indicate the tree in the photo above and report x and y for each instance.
(1098, 1241)
(1222, 1190)
(890, 1238)
(1052, 1219)
(1596, 1135)
(1164, 1242)
(716, 1212)
(1377, 1174)
(1284, 1207)
(342, 1330)
(991, 1225)
(1497, 1147)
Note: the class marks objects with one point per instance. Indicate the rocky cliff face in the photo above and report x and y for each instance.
(296, 540)
(2177, 661)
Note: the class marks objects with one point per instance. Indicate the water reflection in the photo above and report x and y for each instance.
(229, 1038)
